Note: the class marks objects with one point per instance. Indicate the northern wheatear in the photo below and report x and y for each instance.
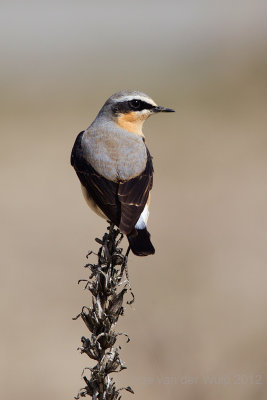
(115, 167)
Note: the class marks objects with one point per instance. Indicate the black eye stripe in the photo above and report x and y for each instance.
(131, 105)
(142, 105)
(135, 104)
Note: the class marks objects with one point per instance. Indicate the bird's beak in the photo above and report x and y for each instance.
(162, 109)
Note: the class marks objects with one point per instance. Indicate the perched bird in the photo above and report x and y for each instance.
(115, 167)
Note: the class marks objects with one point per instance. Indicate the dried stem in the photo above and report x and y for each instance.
(108, 284)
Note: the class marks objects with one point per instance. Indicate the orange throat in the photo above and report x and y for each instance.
(130, 123)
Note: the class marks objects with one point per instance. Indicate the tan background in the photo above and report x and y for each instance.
(198, 326)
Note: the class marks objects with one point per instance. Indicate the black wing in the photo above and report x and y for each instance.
(133, 196)
(102, 190)
(122, 202)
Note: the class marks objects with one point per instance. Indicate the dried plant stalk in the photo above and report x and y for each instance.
(108, 284)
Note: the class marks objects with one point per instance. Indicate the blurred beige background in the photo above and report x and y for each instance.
(198, 326)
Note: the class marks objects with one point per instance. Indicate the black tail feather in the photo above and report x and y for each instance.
(140, 243)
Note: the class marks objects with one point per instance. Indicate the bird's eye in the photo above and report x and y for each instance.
(135, 104)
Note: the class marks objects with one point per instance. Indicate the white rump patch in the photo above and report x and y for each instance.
(142, 222)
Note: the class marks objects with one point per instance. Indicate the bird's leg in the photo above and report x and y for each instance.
(111, 227)
(111, 237)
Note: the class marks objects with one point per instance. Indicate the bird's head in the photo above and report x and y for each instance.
(129, 109)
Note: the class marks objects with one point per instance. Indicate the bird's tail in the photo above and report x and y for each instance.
(140, 243)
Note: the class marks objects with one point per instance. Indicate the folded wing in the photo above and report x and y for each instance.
(122, 202)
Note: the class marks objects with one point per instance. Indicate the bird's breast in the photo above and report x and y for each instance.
(115, 154)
